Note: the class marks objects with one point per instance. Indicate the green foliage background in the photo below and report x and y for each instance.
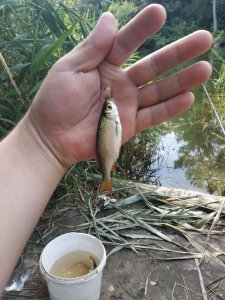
(34, 34)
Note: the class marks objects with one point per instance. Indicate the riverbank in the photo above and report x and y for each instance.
(157, 236)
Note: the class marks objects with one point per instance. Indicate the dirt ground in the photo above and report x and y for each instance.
(130, 276)
(150, 274)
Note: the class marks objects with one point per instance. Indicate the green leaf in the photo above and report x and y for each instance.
(4, 120)
(6, 111)
(132, 199)
(47, 51)
(204, 221)
(18, 67)
(52, 18)
(84, 30)
(36, 87)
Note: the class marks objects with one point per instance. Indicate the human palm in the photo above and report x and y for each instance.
(67, 107)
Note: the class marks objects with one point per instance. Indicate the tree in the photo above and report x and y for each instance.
(214, 17)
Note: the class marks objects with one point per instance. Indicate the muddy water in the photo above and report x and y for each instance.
(74, 264)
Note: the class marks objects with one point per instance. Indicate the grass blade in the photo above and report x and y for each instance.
(10, 75)
(214, 109)
(132, 199)
(47, 51)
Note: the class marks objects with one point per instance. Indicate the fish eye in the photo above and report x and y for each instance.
(109, 106)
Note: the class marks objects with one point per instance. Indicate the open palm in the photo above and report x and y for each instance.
(67, 107)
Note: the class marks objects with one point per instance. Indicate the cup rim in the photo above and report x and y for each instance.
(78, 280)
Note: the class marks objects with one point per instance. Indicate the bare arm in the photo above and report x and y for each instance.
(60, 127)
(28, 174)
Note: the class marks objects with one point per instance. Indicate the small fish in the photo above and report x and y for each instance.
(109, 139)
(92, 263)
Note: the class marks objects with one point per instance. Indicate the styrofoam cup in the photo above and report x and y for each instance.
(87, 287)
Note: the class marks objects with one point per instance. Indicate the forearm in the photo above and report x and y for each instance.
(29, 173)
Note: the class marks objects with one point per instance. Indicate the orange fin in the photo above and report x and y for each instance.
(106, 186)
(114, 167)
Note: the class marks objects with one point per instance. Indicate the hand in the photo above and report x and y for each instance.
(67, 108)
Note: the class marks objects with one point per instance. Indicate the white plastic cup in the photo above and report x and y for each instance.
(87, 287)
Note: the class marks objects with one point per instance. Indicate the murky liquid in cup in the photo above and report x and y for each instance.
(74, 264)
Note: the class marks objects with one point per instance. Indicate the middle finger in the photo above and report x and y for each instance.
(169, 57)
(145, 24)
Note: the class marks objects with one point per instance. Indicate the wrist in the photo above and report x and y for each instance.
(43, 151)
(31, 149)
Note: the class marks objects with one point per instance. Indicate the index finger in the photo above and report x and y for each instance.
(135, 32)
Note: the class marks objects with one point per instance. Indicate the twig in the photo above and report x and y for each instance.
(215, 293)
(211, 228)
(146, 283)
(45, 235)
(173, 291)
(2, 60)
(41, 237)
(81, 195)
(204, 294)
(186, 290)
(93, 223)
(126, 290)
(190, 290)
(214, 109)
(216, 280)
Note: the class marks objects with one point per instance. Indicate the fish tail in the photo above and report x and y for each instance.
(106, 186)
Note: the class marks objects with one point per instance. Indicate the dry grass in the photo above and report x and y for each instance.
(139, 220)
(156, 225)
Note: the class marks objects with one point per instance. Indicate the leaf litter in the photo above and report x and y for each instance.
(144, 220)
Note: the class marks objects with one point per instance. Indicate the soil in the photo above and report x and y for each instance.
(130, 276)
(149, 274)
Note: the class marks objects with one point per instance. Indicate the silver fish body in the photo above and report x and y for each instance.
(109, 139)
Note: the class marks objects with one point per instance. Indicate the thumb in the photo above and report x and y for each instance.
(91, 52)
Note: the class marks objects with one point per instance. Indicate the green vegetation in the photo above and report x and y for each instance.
(140, 159)
(33, 36)
(219, 87)
(36, 33)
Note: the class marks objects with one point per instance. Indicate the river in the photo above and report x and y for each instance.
(188, 151)
(192, 150)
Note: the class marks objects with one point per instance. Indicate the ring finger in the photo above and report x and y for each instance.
(175, 84)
